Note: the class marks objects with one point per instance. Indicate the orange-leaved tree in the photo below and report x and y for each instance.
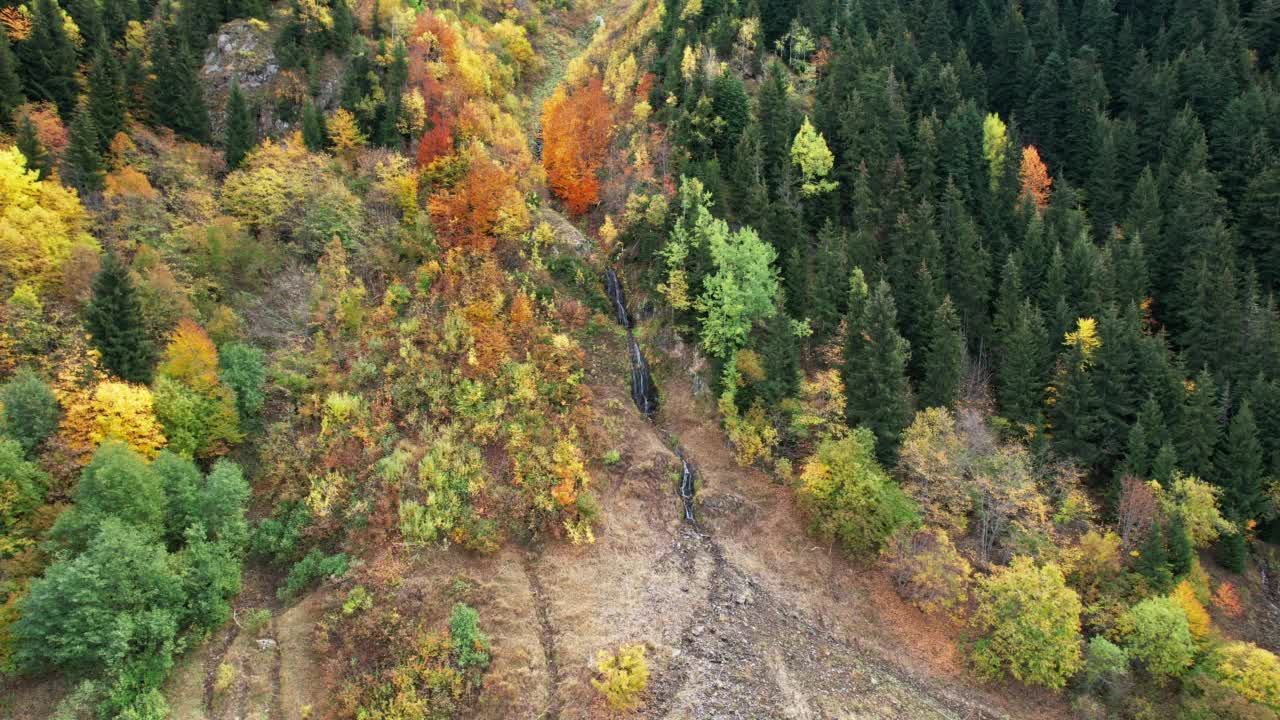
(1036, 182)
(576, 129)
(483, 206)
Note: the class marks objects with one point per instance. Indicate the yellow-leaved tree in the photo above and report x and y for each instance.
(40, 223)
(114, 410)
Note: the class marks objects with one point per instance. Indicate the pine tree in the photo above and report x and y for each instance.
(28, 142)
(1241, 467)
(88, 19)
(174, 94)
(1077, 410)
(1260, 224)
(114, 320)
(1233, 551)
(106, 96)
(1181, 553)
(877, 394)
(1165, 464)
(777, 128)
(1198, 428)
(240, 135)
(944, 362)
(1153, 560)
(49, 60)
(780, 355)
(314, 134)
(1022, 370)
(10, 84)
(829, 291)
(83, 160)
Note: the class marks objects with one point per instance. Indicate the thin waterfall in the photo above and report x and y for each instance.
(643, 392)
(613, 288)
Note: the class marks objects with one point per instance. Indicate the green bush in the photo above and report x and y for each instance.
(22, 488)
(1157, 634)
(849, 497)
(315, 566)
(117, 483)
(30, 409)
(279, 537)
(1105, 662)
(1029, 624)
(244, 371)
(470, 645)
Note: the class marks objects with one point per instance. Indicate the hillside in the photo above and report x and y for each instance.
(397, 360)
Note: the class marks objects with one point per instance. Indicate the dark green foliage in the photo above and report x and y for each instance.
(1241, 467)
(944, 358)
(244, 371)
(116, 484)
(875, 369)
(106, 96)
(1181, 553)
(175, 97)
(780, 355)
(83, 160)
(311, 568)
(28, 143)
(181, 481)
(313, 131)
(1199, 427)
(114, 321)
(10, 83)
(1153, 560)
(30, 409)
(729, 103)
(210, 572)
(1232, 551)
(470, 645)
(278, 537)
(240, 130)
(22, 485)
(119, 599)
(49, 60)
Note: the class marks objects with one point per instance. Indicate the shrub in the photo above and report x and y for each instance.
(30, 409)
(22, 488)
(612, 457)
(1197, 617)
(929, 571)
(470, 645)
(1250, 671)
(624, 675)
(1029, 622)
(358, 600)
(278, 537)
(244, 371)
(224, 677)
(1105, 662)
(849, 497)
(257, 621)
(314, 566)
(1156, 633)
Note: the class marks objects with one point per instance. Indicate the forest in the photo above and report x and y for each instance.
(301, 306)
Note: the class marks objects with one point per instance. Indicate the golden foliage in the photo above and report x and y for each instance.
(114, 410)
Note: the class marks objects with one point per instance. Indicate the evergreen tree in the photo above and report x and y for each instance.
(1241, 467)
(10, 84)
(106, 96)
(1260, 224)
(1153, 560)
(731, 106)
(1022, 369)
(780, 355)
(944, 361)
(49, 60)
(877, 394)
(829, 289)
(1181, 553)
(344, 26)
(1077, 410)
(777, 128)
(240, 132)
(114, 321)
(1233, 551)
(313, 131)
(1165, 464)
(175, 95)
(1198, 427)
(83, 161)
(29, 145)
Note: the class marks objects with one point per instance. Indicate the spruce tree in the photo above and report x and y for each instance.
(877, 394)
(777, 128)
(1181, 553)
(175, 95)
(1165, 464)
(83, 160)
(1232, 551)
(10, 84)
(1153, 560)
(344, 26)
(1241, 467)
(28, 142)
(49, 60)
(1022, 369)
(313, 131)
(829, 290)
(944, 356)
(780, 355)
(114, 321)
(1077, 412)
(1198, 428)
(106, 96)
(240, 135)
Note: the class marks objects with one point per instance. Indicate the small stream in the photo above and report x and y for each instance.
(643, 392)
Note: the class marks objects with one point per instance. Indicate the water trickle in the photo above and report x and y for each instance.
(613, 288)
(686, 487)
(643, 392)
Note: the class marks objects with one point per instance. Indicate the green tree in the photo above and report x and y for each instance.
(49, 59)
(1023, 368)
(1028, 622)
(114, 320)
(1198, 427)
(739, 292)
(240, 135)
(181, 481)
(1241, 469)
(314, 134)
(944, 358)
(174, 93)
(117, 483)
(210, 573)
(1156, 634)
(1153, 559)
(809, 152)
(22, 489)
(244, 371)
(30, 409)
(28, 143)
(10, 84)
(106, 96)
(849, 497)
(877, 394)
(83, 161)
